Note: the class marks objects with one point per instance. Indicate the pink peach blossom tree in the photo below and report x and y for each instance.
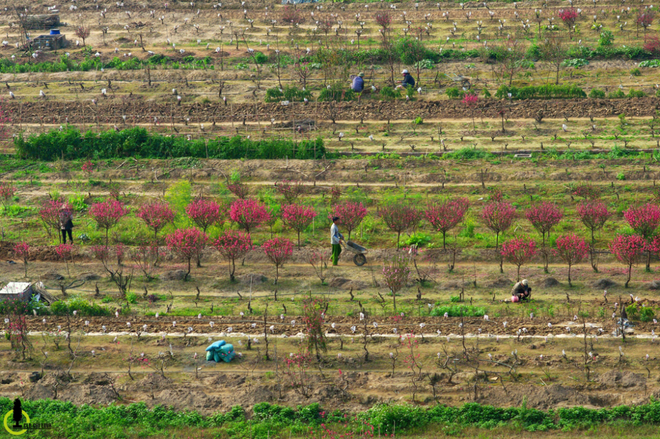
(233, 245)
(107, 214)
(297, 217)
(278, 250)
(572, 249)
(446, 215)
(248, 214)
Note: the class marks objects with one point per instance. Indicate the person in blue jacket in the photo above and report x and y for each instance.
(408, 80)
(358, 83)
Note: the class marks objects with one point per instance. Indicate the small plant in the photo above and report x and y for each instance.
(22, 252)
(389, 93)
(396, 274)
(418, 121)
(636, 93)
(636, 72)
(606, 38)
(319, 262)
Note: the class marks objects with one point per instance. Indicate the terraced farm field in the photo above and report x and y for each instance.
(201, 151)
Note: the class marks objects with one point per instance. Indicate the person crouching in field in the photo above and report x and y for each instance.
(520, 291)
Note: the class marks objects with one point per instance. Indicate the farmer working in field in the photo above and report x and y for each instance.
(335, 239)
(408, 80)
(66, 223)
(358, 83)
(521, 291)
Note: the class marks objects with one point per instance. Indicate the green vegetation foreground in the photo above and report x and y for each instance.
(271, 421)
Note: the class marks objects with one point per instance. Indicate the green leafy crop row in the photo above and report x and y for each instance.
(71, 144)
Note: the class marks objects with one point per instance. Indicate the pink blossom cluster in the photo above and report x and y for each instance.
(248, 214)
(205, 213)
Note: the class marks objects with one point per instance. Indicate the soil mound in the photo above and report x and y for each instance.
(604, 283)
(173, 275)
(550, 282)
(625, 379)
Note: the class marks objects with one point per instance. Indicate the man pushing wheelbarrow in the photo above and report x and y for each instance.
(336, 240)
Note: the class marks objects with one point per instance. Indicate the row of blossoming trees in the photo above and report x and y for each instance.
(443, 216)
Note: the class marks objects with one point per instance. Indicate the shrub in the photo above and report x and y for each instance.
(81, 306)
(336, 92)
(292, 94)
(636, 72)
(636, 94)
(619, 94)
(596, 94)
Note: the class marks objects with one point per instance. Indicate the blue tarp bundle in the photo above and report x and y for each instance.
(220, 351)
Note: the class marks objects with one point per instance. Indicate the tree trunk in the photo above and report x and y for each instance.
(232, 270)
(629, 274)
(394, 300)
(569, 276)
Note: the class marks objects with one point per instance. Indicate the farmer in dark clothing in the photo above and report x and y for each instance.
(408, 80)
(335, 239)
(66, 223)
(521, 291)
(358, 83)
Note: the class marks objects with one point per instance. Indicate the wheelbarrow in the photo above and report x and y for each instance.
(359, 259)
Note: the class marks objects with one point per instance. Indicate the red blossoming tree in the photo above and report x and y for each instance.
(627, 250)
(498, 217)
(593, 214)
(399, 218)
(205, 213)
(65, 252)
(396, 274)
(544, 217)
(518, 252)
(350, 215)
(644, 220)
(233, 245)
(248, 214)
(568, 16)
(297, 217)
(156, 215)
(446, 215)
(290, 190)
(278, 250)
(187, 244)
(7, 192)
(571, 249)
(107, 214)
(470, 101)
(22, 252)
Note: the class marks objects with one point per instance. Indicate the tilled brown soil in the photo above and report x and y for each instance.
(139, 111)
(343, 325)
